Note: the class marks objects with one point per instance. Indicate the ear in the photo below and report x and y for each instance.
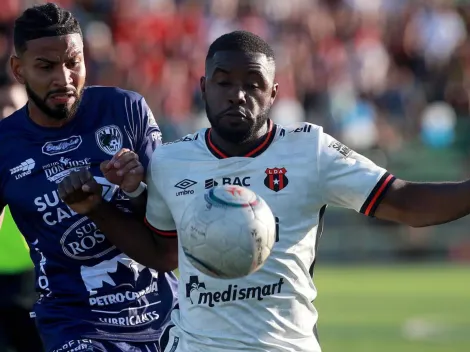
(17, 69)
(202, 86)
(274, 92)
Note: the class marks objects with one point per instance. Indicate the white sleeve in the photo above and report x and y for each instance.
(158, 216)
(348, 179)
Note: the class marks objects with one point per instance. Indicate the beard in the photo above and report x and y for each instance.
(238, 135)
(61, 111)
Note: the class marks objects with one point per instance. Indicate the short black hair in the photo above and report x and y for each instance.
(48, 20)
(240, 41)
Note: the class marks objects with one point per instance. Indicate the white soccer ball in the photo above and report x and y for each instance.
(227, 232)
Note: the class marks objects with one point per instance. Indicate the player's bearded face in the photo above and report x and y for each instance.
(53, 72)
(56, 111)
(243, 132)
(238, 91)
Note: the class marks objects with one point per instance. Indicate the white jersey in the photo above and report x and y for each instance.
(298, 171)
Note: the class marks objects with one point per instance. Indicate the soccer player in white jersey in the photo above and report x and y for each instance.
(298, 170)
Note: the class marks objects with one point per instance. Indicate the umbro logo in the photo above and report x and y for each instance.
(184, 185)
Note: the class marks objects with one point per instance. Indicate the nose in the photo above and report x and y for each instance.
(63, 77)
(237, 96)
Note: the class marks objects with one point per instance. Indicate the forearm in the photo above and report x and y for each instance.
(425, 204)
(134, 238)
(138, 205)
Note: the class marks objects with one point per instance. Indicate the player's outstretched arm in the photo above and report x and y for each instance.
(82, 193)
(134, 238)
(425, 204)
(348, 179)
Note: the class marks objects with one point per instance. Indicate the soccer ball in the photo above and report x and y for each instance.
(227, 232)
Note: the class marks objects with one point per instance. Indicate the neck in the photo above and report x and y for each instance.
(240, 149)
(42, 119)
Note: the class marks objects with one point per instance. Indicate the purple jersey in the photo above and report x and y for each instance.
(87, 287)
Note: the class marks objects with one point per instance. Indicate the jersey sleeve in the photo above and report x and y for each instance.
(348, 179)
(158, 216)
(150, 136)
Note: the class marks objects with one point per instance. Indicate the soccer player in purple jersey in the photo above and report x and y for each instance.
(92, 297)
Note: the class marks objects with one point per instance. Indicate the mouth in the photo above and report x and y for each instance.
(62, 98)
(234, 119)
(235, 114)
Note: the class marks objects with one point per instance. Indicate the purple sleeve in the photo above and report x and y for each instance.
(150, 136)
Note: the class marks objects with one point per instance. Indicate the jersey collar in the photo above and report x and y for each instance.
(220, 154)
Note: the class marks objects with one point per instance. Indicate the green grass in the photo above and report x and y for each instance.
(14, 254)
(394, 308)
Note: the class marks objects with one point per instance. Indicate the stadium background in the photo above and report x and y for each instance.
(389, 78)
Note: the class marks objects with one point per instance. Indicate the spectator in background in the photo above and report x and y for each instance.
(388, 59)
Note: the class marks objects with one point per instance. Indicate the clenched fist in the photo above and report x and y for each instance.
(80, 191)
(124, 170)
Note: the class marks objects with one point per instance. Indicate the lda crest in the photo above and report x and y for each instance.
(276, 179)
(109, 139)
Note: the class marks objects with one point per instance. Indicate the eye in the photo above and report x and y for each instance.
(46, 67)
(223, 83)
(73, 64)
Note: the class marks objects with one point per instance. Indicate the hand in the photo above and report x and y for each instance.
(80, 191)
(124, 170)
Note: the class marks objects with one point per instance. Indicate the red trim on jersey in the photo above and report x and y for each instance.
(163, 233)
(253, 153)
(370, 205)
(217, 152)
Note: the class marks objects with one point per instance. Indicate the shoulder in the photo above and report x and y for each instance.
(181, 149)
(299, 130)
(299, 133)
(186, 142)
(310, 140)
(103, 92)
(12, 133)
(176, 157)
(126, 106)
(12, 125)
(13, 119)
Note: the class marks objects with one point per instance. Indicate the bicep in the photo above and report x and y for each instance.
(170, 252)
(392, 207)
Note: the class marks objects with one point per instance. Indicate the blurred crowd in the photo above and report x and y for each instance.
(375, 73)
